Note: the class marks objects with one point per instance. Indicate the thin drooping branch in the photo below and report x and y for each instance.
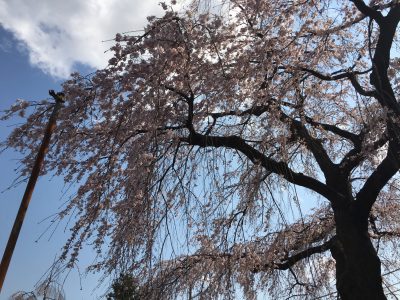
(175, 272)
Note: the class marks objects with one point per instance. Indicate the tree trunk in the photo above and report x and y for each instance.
(358, 267)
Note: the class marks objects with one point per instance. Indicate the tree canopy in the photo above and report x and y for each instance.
(198, 148)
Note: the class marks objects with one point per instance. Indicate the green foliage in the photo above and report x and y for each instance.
(124, 288)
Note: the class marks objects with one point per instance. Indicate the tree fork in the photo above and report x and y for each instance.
(12, 240)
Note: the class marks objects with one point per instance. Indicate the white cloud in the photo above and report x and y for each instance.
(59, 34)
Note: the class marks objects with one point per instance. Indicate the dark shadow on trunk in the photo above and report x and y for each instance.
(358, 267)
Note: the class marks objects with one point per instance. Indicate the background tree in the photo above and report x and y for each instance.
(124, 288)
(202, 146)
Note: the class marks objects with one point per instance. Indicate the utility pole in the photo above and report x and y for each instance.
(12, 240)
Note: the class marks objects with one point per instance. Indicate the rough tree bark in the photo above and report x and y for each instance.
(358, 267)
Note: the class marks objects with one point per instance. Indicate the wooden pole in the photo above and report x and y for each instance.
(12, 240)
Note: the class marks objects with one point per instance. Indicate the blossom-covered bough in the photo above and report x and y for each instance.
(197, 147)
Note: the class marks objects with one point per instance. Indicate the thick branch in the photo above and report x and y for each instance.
(260, 109)
(354, 138)
(368, 194)
(292, 260)
(368, 11)
(313, 144)
(178, 92)
(379, 77)
(257, 110)
(376, 233)
(279, 168)
(346, 75)
(356, 155)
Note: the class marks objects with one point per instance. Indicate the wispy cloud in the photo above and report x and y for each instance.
(58, 35)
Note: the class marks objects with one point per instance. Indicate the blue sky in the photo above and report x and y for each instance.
(41, 42)
(20, 79)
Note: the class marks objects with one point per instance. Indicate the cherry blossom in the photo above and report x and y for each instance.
(196, 148)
